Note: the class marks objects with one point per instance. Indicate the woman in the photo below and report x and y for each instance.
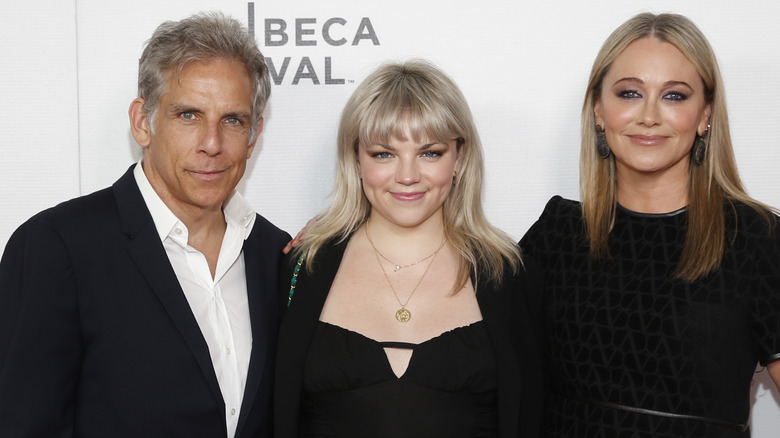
(663, 286)
(409, 314)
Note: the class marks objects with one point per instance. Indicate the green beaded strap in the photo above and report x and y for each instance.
(294, 279)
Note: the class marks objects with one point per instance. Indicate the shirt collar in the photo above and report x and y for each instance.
(236, 208)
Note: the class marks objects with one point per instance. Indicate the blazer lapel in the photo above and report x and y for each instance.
(146, 249)
(305, 307)
(298, 325)
(261, 262)
(497, 312)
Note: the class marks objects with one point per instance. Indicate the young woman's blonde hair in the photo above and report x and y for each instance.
(418, 95)
(711, 184)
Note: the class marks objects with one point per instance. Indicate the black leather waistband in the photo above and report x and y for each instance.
(728, 424)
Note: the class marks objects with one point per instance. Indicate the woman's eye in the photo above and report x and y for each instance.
(629, 94)
(431, 154)
(381, 155)
(675, 96)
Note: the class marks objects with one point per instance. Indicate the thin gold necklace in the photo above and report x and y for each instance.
(396, 266)
(403, 314)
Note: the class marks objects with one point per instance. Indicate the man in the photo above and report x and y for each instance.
(149, 308)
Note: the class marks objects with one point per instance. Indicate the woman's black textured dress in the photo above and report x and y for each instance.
(630, 348)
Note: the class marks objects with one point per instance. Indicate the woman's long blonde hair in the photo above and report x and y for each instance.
(711, 184)
(418, 95)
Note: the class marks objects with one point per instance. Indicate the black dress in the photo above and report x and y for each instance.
(629, 347)
(448, 389)
(484, 379)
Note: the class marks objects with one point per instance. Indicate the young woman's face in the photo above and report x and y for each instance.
(407, 181)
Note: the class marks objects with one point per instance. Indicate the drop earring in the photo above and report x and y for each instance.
(699, 150)
(602, 148)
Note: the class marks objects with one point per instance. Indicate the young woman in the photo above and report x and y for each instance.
(409, 314)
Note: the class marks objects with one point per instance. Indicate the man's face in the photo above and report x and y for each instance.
(200, 145)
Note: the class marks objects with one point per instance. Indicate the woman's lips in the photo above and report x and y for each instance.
(648, 140)
(411, 196)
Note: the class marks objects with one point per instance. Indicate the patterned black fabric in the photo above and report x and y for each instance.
(621, 330)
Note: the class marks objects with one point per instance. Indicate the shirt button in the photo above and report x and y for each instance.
(227, 350)
(178, 231)
(233, 411)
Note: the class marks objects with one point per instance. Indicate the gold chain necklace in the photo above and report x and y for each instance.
(396, 266)
(403, 314)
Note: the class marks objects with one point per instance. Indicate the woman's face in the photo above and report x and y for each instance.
(406, 181)
(651, 108)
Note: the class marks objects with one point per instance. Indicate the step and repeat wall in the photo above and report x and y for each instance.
(69, 69)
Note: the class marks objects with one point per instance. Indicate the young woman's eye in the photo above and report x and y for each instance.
(382, 154)
(431, 154)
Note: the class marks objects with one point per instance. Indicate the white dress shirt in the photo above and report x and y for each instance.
(219, 304)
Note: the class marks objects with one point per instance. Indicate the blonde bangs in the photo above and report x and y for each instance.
(409, 106)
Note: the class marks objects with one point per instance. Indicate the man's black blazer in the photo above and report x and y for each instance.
(97, 338)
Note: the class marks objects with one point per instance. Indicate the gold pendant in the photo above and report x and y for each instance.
(403, 315)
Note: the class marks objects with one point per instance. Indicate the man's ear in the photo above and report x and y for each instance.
(139, 123)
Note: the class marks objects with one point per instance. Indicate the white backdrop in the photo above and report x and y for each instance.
(68, 73)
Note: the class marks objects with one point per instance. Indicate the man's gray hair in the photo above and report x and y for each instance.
(201, 37)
